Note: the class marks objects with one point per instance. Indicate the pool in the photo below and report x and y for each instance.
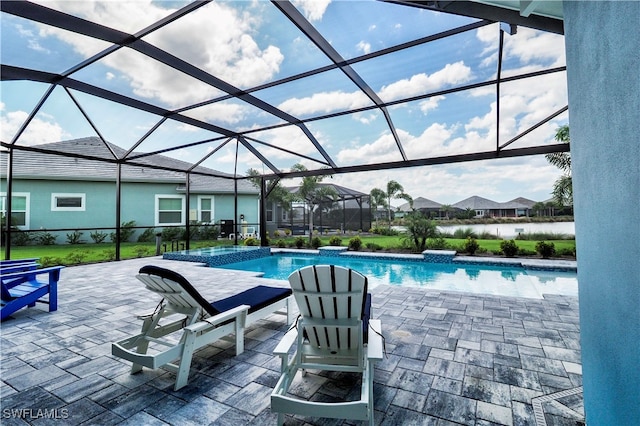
(513, 280)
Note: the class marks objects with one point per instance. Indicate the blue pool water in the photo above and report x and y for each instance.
(485, 279)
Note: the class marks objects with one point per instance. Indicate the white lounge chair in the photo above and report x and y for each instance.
(199, 322)
(333, 333)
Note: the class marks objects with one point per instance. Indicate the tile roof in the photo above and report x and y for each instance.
(38, 165)
(420, 203)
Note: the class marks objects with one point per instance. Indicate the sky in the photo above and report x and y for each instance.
(250, 43)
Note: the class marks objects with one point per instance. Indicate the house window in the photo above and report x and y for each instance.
(205, 209)
(68, 202)
(269, 212)
(169, 210)
(19, 209)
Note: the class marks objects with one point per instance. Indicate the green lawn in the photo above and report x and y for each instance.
(67, 254)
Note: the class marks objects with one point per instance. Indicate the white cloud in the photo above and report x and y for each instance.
(225, 48)
(325, 102)
(417, 84)
(531, 45)
(313, 10)
(364, 47)
(40, 130)
(219, 113)
(527, 45)
(422, 83)
(430, 104)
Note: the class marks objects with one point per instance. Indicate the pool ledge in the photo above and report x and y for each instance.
(532, 264)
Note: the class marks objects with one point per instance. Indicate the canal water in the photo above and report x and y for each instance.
(511, 230)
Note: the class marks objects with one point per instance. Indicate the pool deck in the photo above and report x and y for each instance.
(452, 358)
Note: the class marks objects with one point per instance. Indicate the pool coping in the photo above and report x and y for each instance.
(446, 256)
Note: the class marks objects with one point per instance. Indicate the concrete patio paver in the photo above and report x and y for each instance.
(451, 358)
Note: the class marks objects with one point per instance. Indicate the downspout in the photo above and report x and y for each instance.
(263, 213)
(235, 198)
(118, 207)
(361, 219)
(235, 211)
(7, 222)
(187, 226)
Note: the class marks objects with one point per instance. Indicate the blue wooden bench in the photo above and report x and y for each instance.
(13, 262)
(22, 288)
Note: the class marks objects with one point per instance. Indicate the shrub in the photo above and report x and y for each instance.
(299, 242)
(437, 243)
(74, 237)
(171, 234)
(20, 238)
(335, 241)
(281, 243)
(509, 248)
(45, 238)
(251, 242)
(109, 254)
(355, 243)
(76, 257)
(546, 250)
(126, 231)
(486, 235)
(525, 252)
(464, 233)
(47, 261)
(148, 236)
(209, 232)
(567, 252)
(373, 246)
(98, 236)
(316, 242)
(142, 251)
(471, 245)
(419, 229)
(384, 231)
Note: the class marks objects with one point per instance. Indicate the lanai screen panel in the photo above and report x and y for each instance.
(337, 86)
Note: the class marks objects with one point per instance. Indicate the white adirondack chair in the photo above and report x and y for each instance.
(331, 334)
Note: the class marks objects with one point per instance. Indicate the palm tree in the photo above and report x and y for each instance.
(539, 208)
(563, 186)
(378, 199)
(446, 208)
(278, 193)
(313, 194)
(395, 190)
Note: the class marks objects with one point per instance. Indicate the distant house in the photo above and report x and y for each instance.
(488, 208)
(53, 192)
(424, 205)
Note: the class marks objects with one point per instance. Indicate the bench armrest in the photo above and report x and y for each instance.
(53, 271)
(286, 342)
(375, 345)
(219, 319)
